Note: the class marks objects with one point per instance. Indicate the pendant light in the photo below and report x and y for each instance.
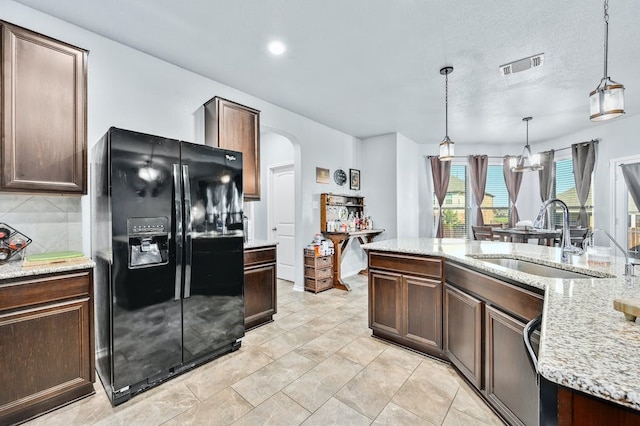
(446, 146)
(607, 101)
(526, 161)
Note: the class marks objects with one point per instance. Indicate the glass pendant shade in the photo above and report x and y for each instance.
(527, 161)
(607, 101)
(446, 149)
(513, 163)
(446, 146)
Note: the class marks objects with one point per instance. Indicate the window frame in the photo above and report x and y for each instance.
(466, 228)
(508, 210)
(556, 217)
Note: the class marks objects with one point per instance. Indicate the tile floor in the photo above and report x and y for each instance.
(316, 364)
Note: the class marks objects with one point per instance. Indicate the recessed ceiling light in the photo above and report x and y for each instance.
(277, 47)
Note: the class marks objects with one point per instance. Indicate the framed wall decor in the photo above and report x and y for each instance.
(354, 179)
(322, 175)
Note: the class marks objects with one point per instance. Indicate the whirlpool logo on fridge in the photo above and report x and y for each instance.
(230, 157)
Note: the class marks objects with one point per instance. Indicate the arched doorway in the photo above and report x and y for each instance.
(273, 218)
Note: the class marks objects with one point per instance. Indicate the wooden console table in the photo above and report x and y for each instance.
(340, 241)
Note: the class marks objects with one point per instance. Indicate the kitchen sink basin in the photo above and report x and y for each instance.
(539, 269)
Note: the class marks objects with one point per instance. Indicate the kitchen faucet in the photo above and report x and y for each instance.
(628, 266)
(567, 247)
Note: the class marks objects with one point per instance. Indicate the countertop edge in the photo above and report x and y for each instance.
(253, 244)
(13, 270)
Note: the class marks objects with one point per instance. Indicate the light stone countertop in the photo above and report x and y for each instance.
(585, 344)
(13, 269)
(252, 244)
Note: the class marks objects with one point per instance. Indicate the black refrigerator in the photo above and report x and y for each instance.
(167, 240)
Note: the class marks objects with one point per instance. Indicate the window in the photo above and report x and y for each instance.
(495, 206)
(454, 209)
(565, 190)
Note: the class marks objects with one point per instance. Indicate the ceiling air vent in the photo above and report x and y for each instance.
(522, 64)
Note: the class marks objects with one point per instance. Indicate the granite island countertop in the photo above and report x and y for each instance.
(252, 244)
(13, 269)
(585, 344)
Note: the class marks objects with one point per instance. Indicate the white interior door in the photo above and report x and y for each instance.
(282, 218)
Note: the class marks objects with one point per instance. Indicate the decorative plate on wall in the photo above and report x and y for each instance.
(340, 177)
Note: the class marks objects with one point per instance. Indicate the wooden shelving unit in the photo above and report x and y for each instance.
(333, 206)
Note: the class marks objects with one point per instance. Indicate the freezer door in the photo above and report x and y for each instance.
(146, 316)
(213, 303)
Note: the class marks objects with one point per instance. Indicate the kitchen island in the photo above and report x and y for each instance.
(585, 345)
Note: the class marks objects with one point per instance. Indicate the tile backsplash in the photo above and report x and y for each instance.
(54, 223)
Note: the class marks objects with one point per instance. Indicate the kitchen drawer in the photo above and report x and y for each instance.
(259, 255)
(406, 264)
(312, 272)
(523, 303)
(318, 262)
(317, 285)
(23, 292)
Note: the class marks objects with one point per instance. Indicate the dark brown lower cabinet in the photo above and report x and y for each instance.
(385, 302)
(510, 380)
(578, 409)
(46, 343)
(405, 300)
(476, 321)
(422, 314)
(259, 286)
(463, 333)
(484, 320)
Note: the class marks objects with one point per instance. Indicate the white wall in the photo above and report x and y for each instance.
(378, 182)
(133, 90)
(407, 186)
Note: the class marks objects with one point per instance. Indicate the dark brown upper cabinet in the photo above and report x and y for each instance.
(236, 127)
(44, 113)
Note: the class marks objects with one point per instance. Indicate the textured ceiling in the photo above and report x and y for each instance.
(368, 67)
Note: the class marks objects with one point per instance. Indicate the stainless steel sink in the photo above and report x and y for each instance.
(539, 269)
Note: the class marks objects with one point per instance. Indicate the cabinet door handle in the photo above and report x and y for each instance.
(274, 229)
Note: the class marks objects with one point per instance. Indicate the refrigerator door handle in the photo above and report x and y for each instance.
(177, 186)
(187, 217)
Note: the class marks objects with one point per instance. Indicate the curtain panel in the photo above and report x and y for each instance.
(513, 180)
(440, 171)
(546, 178)
(478, 173)
(584, 161)
(631, 173)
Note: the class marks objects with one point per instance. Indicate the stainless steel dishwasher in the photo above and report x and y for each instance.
(547, 391)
